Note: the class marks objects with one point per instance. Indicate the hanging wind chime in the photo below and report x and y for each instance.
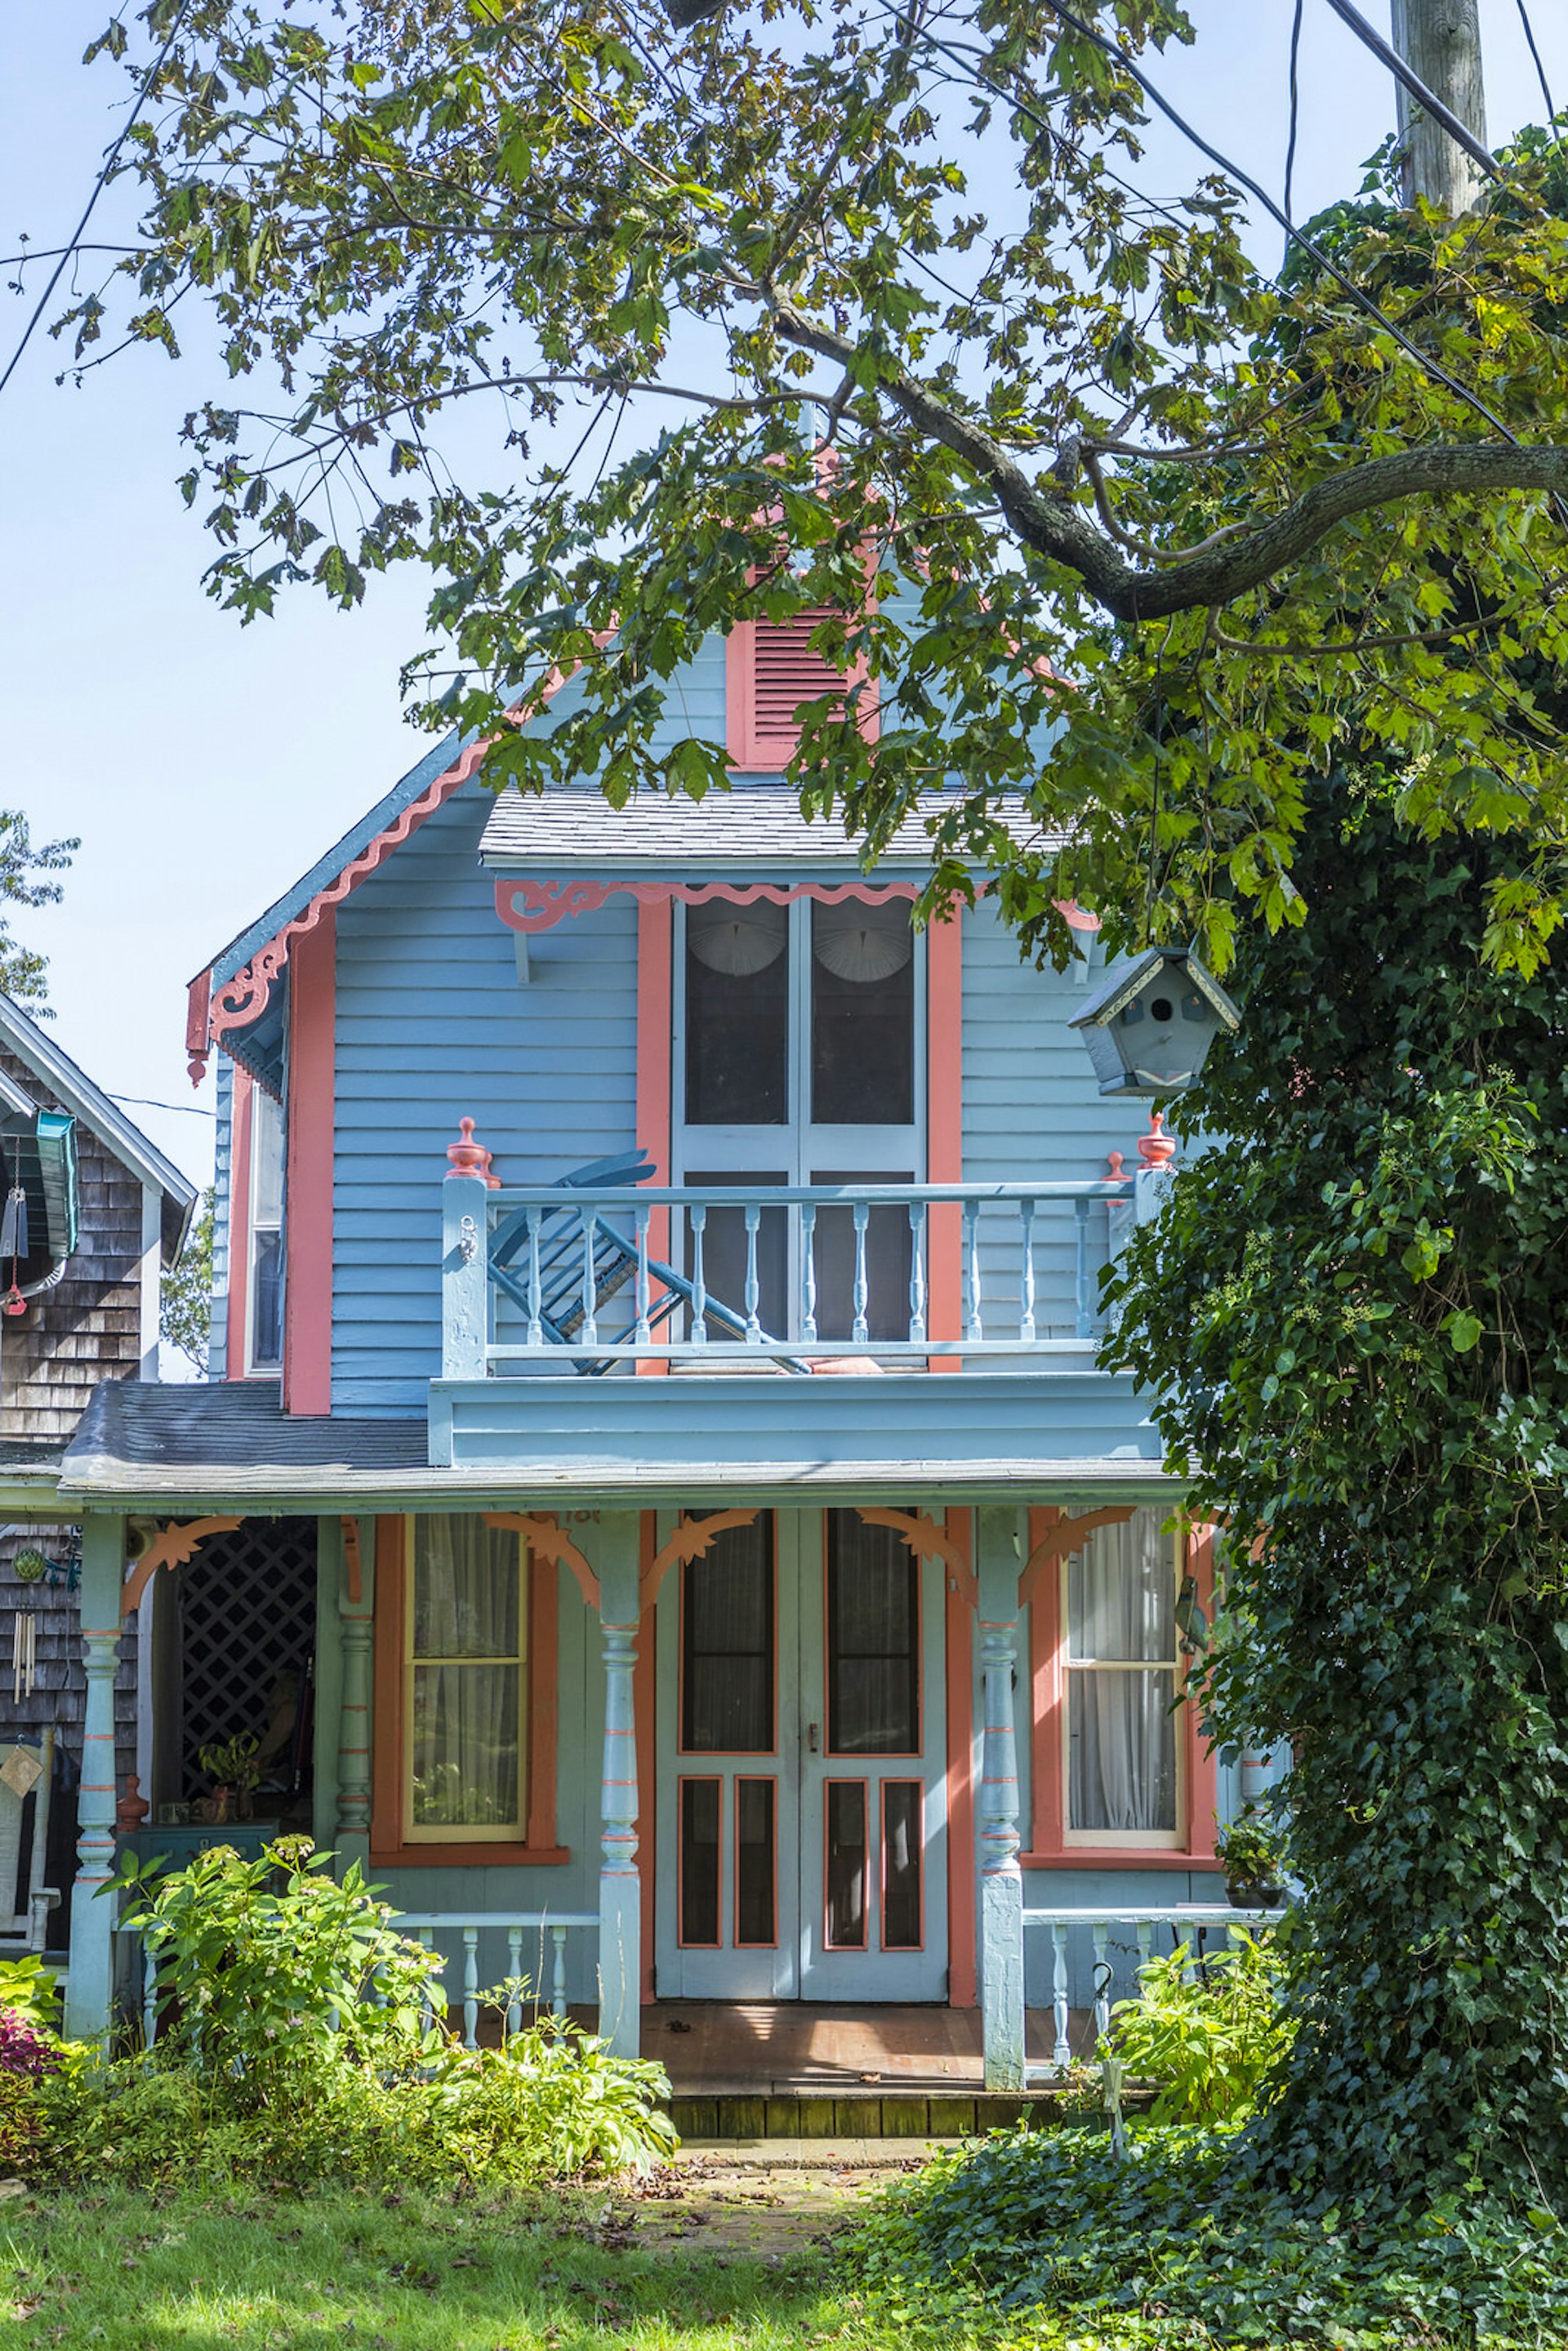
(13, 1244)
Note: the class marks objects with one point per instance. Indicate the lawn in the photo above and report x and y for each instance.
(235, 2272)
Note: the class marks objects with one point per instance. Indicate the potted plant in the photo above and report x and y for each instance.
(1251, 1852)
(230, 1765)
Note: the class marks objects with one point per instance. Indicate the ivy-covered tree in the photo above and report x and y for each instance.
(22, 971)
(1355, 1316)
(627, 323)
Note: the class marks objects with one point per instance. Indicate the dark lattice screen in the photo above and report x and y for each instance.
(247, 1609)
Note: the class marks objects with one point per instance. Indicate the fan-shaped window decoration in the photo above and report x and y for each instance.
(863, 942)
(738, 940)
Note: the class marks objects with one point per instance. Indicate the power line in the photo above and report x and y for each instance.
(145, 1102)
(1535, 53)
(1295, 103)
(98, 188)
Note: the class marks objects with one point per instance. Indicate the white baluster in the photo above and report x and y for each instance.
(1081, 1273)
(514, 1970)
(809, 1269)
(148, 1999)
(590, 1333)
(753, 1287)
(917, 1270)
(1145, 1948)
(699, 1282)
(427, 1997)
(1025, 1270)
(558, 1971)
(470, 1987)
(860, 1329)
(1061, 2054)
(536, 1285)
(973, 1327)
(643, 1333)
(1101, 1933)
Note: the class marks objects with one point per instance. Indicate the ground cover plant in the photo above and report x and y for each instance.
(1177, 2248)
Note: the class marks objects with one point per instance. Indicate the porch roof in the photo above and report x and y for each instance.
(201, 1447)
(755, 827)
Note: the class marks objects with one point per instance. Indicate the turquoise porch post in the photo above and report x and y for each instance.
(356, 1628)
(620, 1890)
(89, 1981)
(1002, 1880)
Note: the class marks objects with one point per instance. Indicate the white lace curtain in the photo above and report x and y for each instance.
(467, 1656)
(1122, 1679)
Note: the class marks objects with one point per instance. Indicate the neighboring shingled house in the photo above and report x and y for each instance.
(105, 1213)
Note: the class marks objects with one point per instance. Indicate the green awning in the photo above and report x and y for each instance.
(40, 1153)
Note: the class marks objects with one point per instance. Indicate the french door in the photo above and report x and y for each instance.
(802, 1833)
(799, 1053)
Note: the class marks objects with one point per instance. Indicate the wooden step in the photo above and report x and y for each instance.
(909, 2114)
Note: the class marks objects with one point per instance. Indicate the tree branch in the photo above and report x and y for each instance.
(1055, 526)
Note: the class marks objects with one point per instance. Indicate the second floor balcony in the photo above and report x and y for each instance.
(964, 1300)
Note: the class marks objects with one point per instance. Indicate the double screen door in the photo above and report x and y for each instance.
(803, 1833)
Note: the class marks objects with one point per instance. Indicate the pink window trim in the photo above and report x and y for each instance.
(753, 750)
(241, 1124)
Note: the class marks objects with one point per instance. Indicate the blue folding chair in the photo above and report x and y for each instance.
(562, 1250)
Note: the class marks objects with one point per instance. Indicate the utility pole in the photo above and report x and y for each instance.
(1441, 41)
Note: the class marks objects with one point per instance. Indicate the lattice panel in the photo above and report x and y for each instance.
(247, 1608)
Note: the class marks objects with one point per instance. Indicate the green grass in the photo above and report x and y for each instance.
(122, 2272)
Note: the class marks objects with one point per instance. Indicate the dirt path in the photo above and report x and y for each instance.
(762, 2200)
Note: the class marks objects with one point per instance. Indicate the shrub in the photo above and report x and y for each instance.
(266, 1968)
(30, 1990)
(1209, 2042)
(28, 2055)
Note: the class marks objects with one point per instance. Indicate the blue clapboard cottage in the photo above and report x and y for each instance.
(657, 1399)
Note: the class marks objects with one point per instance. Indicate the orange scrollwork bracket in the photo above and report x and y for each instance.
(172, 1546)
(926, 1540)
(693, 1538)
(1066, 1535)
(551, 1542)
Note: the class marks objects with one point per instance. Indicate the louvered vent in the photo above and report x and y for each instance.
(788, 671)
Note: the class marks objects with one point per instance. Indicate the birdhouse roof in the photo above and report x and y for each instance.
(1123, 986)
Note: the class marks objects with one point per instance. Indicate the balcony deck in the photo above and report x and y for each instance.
(852, 1335)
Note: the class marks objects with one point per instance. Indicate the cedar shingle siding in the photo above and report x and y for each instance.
(86, 1329)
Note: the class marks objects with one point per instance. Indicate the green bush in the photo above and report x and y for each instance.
(1209, 2042)
(297, 2043)
(1179, 2247)
(269, 1969)
(30, 1990)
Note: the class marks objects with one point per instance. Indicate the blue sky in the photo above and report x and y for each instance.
(204, 766)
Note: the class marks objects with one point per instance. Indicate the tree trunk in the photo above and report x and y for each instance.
(1441, 41)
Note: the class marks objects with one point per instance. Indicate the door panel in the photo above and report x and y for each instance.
(801, 1773)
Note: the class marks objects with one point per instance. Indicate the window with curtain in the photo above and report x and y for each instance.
(465, 1696)
(1122, 1672)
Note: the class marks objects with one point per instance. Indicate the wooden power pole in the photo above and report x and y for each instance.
(1441, 41)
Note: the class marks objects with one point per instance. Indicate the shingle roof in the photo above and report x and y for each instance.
(754, 825)
(216, 1429)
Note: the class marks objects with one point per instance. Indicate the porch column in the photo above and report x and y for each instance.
(620, 1889)
(356, 1594)
(1002, 1880)
(89, 1983)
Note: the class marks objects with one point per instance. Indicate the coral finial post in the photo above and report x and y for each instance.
(467, 1156)
(1115, 1161)
(1156, 1148)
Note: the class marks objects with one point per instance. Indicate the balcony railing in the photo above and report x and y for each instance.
(539, 1278)
(1109, 1946)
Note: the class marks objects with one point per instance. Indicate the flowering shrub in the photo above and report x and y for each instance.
(28, 2055)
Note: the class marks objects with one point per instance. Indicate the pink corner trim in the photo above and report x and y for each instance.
(540, 906)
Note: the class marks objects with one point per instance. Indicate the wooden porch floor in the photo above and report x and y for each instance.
(785, 2049)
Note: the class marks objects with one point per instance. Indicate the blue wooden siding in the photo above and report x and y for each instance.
(433, 1025)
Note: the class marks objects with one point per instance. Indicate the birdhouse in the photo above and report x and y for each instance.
(1150, 1026)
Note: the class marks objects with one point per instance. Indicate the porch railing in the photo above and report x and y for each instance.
(1133, 1946)
(525, 1933)
(536, 1277)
